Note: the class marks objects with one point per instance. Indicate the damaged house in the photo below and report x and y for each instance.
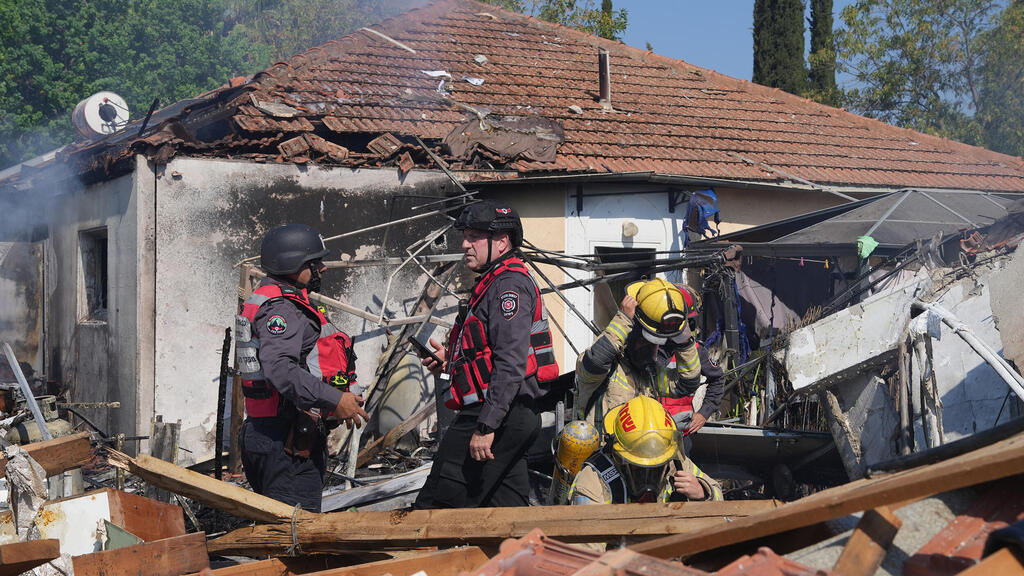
(121, 255)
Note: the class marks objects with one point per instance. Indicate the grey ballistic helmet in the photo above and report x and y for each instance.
(286, 249)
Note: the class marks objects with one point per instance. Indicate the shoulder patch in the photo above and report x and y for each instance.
(276, 324)
(509, 304)
(712, 361)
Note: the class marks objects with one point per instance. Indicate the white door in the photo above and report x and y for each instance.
(639, 223)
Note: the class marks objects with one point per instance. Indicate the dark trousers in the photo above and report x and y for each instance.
(276, 474)
(458, 481)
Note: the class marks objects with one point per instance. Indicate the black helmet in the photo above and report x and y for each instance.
(287, 248)
(492, 216)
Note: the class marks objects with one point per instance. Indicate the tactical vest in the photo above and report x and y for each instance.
(469, 367)
(331, 359)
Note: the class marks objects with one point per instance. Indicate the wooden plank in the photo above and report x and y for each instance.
(57, 455)
(395, 434)
(167, 557)
(869, 543)
(285, 566)
(346, 531)
(1005, 562)
(221, 495)
(163, 444)
(144, 517)
(18, 557)
(442, 563)
(999, 460)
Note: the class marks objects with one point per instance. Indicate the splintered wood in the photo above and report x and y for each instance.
(345, 531)
(202, 488)
(19, 557)
(167, 557)
(57, 455)
(1002, 459)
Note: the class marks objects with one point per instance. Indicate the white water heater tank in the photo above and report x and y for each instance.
(100, 114)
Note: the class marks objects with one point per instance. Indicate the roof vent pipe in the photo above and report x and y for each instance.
(604, 73)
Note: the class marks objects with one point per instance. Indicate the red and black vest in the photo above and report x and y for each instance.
(469, 351)
(331, 360)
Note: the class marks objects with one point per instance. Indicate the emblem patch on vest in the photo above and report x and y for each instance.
(276, 324)
(509, 304)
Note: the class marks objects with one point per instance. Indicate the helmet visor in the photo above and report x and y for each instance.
(644, 482)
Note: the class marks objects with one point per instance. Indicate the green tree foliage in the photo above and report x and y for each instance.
(919, 63)
(584, 15)
(54, 53)
(1001, 98)
(779, 45)
(822, 59)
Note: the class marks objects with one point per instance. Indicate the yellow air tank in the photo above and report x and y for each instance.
(577, 441)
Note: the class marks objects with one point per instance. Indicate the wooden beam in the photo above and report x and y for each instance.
(291, 565)
(999, 460)
(395, 434)
(869, 543)
(18, 557)
(167, 557)
(57, 455)
(346, 531)
(1005, 562)
(220, 495)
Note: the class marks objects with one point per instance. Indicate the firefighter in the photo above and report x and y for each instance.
(649, 348)
(296, 369)
(643, 463)
(497, 353)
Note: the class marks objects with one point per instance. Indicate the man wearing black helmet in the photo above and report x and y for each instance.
(496, 355)
(296, 369)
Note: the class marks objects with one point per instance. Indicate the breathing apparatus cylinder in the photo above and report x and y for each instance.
(577, 441)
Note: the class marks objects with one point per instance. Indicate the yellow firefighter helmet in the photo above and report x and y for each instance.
(645, 434)
(662, 308)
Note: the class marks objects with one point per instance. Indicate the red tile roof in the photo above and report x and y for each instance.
(671, 117)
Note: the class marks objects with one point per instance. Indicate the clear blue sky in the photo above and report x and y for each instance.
(716, 34)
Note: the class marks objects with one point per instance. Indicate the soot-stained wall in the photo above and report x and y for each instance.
(212, 214)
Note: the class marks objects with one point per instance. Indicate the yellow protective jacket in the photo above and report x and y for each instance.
(681, 378)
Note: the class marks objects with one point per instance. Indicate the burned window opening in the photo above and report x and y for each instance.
(93, 276)
(607, 295)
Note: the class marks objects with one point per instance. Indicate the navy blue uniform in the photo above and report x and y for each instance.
(456, 480)
(287, 334)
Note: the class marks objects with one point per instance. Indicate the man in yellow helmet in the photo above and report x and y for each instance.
(648, 348)
(643, 464)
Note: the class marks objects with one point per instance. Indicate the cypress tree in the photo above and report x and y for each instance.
(779, 45)
(822, 78)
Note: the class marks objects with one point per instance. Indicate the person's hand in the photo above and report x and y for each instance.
(628, 306)
(696, 423)
(350, 409)
(480, 446)
(431, 364)
(688, 485)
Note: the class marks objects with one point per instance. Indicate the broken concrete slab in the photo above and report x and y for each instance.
(852, 340)
(863, 422)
